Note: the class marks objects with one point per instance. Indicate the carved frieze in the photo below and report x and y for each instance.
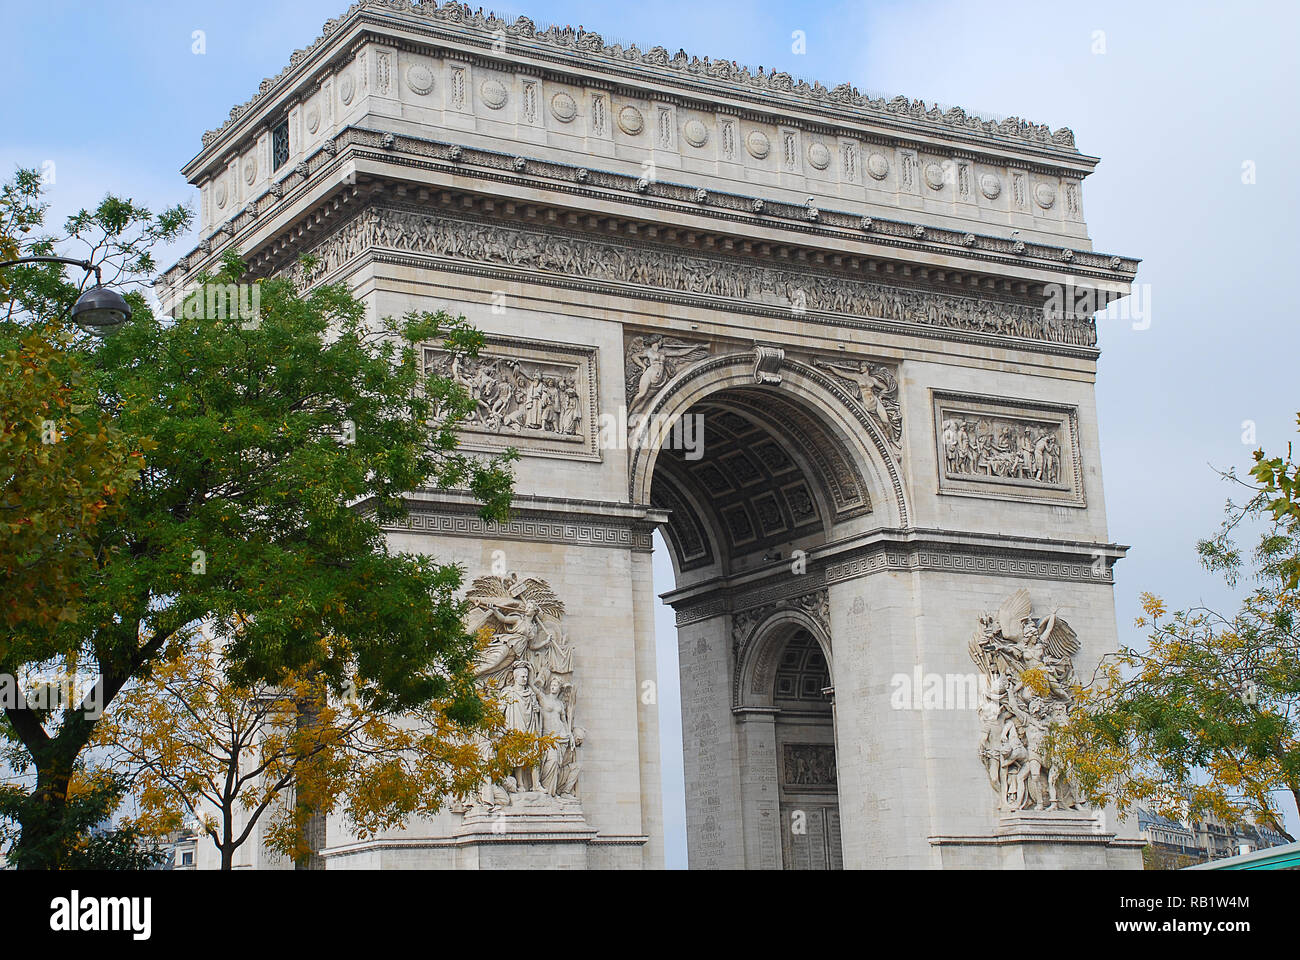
(1022, 451)
(536, 396)
(567, 256)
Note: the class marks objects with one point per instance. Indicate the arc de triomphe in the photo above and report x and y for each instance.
(809, 334)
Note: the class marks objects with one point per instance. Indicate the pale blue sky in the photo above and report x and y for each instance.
(1183, 95)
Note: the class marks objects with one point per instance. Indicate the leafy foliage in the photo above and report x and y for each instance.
(79, 840)
(229, 756)
(247, 473)
(1206, 720)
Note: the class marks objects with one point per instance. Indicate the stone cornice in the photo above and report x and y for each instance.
(582, 183)
(539, 519)
(586, 50)
(900, 550)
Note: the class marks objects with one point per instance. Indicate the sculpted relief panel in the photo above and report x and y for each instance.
(1027, 669)
(569, 256)
(875, 386)
(1025, 451)
(652, 360)
(535, 396)
(529, 665)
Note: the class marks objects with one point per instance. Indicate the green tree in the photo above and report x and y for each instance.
(274, 452)
(1205, 721)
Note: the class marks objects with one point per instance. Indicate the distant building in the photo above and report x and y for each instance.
(181, 848)
(1174, 844)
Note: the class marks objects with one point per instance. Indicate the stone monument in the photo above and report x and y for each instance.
(824, 342)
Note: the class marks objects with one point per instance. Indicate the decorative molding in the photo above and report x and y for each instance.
(1010, 563)
(410, 230)
(660, 193)
(576, 528)
(586, 48)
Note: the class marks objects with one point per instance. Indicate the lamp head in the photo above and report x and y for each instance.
(101, 310)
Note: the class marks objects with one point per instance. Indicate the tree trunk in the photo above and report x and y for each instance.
(315, 837)
(313, 820)
(43, 842)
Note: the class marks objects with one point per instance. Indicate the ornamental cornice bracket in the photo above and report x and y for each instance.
(767, 363)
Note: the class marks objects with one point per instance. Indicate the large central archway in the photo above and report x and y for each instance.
(786, 467)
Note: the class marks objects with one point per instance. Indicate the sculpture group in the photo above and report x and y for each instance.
(528, 663)
(1027, 667)
(984, 447)
(509, 395)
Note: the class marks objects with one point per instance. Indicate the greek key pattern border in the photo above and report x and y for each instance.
(583, 533)
(963, 562)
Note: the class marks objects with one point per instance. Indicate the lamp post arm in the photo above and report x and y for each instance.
(84, 264)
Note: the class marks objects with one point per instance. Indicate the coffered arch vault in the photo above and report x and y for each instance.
(796, 413)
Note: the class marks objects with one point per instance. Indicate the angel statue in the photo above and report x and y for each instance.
(559, 767)
(652, 361)
(1027, 665)
(876, 387)
(524, 620)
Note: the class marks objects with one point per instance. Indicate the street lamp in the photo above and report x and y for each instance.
(98, 310)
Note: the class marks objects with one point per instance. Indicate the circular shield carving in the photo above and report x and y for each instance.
(757, 144)
(313, 118)
(990, 186)
(419, 78)
(695, 133)
(221, 192)
(934, 176)
(250, 170)
(1045, 195)
(630, 120)
(346, 87)
(878, 166)
(818, 155)
(563, 107)
(494, 93)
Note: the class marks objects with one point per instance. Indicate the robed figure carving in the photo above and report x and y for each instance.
(528, 663)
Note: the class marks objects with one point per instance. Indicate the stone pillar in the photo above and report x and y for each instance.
(643, 630)
(714, 834)
(760, 805)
